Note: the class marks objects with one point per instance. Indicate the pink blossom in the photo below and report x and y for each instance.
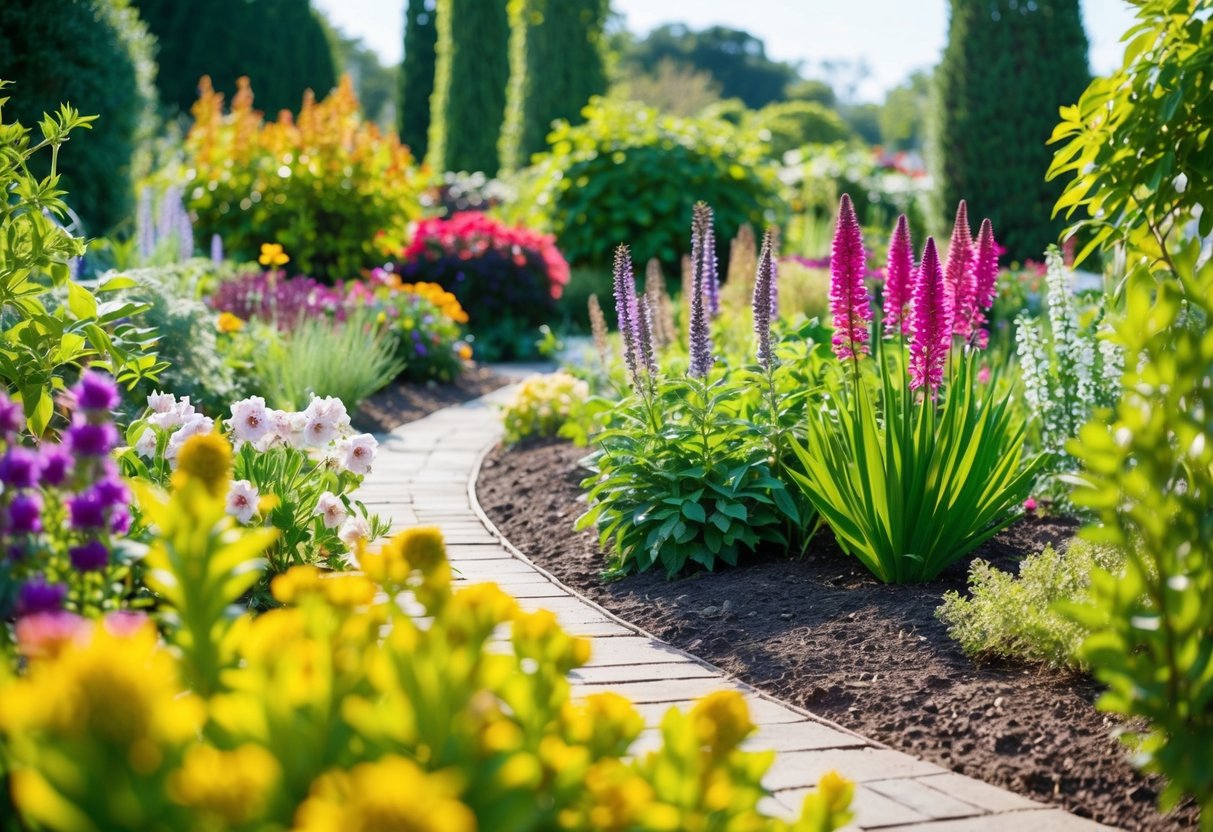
(242, 501)
(958, 274)
(930, 316)
(331, 510)
(357, 453)
(44, 634)
(899, 279)
(849, 302)
(1029, 504)
(250, 419)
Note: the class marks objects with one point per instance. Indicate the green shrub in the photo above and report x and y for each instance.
(556, 404)
(1015, 616)
(630, 173)
(93, 53)
(788, 125)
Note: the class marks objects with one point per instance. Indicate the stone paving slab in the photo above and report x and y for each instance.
(424, 475)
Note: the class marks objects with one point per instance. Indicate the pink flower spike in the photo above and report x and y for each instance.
(930, 319)
(899, 277)
(985, 268)
(849, 302)
(958, 273)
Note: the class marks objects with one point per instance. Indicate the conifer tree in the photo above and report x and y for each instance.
(417, 74)
(1007, 68)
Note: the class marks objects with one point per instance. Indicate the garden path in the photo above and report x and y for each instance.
(425, 474)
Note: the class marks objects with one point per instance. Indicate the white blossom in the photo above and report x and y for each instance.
(242, 501)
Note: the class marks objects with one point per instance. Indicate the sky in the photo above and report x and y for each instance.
(894, 37)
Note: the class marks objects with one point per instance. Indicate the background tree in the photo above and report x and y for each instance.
(279, 44)
(470, 77)
(97, 56)
(904, 113)
(556, 65)
(374, 83)
(673, 88)
(1007, 68)
(417, 75)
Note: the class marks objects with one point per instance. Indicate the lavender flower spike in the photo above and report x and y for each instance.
(216, 249)
(703, 250)
(648, 356)
(898, 283)
(764, 301)
(700, 332)
(626, 310)
(930, 323)
(849, 302)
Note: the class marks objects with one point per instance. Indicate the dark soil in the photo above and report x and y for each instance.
(821, 633)
(408, 401)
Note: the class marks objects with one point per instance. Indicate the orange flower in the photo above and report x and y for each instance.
(228, 322)
(464, 351)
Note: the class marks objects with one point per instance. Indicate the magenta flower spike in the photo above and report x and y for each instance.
(958, 273)
(985, 278)
(930, 323)
(899, 280)
(849, 303)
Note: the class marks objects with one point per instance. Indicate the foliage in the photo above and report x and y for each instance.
(229, 42)
(787, 125)
(556, 66)
(671, 88)
(310, 717)
(65, 515)
(423, 319)
(1016, 616)
(1069, 369)
(1158, 103)
(554, 404)
(905, 112)
(40, 346)
(470, 79)
(735, 59)
(374, 84)
(507, 279)
(417, 75)
(1148, 473)
(322, 185)
(630, 173)
(95, 51)
(1006, 69)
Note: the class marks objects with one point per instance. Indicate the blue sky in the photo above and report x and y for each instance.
(895, 37)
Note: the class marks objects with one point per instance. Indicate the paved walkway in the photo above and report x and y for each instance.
(425, 475)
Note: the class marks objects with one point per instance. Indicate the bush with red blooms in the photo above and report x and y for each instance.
(508, 279)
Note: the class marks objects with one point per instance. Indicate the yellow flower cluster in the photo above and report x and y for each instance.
(380, 700)
(435, 294)
(543, 404)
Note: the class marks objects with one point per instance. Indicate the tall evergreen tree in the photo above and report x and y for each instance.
(279, 44)
(417, 75)
(556, 65)
(473, 67)
(1007, 68)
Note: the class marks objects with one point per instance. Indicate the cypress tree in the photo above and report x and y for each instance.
(556, 65)
(1007, 67)
(470, 76)
(417, 75)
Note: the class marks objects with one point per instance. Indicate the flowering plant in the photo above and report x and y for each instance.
(272, 297)
(64, 513)
(293, 471)
(508, 279)
(548, 405)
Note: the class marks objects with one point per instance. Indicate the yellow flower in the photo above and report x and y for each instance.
(836, 790)
(233, 786)
(272, 255)
(295, 583)
(206, 457)
(722, 720)
(422, 546)
(228, 322)
(464, 350)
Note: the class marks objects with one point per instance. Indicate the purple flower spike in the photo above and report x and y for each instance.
(707, 251)
(930, 323)
(626, 309)
(216, 249)
(56, 465)
(39, 596)
(899, 279)
(849, 302)
(25, 514)
(648, 355)
(90, 556)
(764, 301)
(96, 392)
(86, 512)
(94, 440)
(958, 274)
(700, 331)
(111, 492)
(19, 468)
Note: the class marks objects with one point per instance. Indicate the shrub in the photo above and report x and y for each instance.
(630, 173)
(508, 279)
(310, 715)
(547, 405)
(787, 125)
(323, 185)
(1148, 473)
(271, 297)
(423, 319)
(1016, 616)
(94, 51)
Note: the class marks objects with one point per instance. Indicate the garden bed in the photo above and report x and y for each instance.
(821, 633)
(404, 402)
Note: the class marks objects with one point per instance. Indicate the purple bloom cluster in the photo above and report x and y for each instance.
(286, 301)
(703, 265)
(766, 285)
(627, 311)
(703, 250)
(170, 222)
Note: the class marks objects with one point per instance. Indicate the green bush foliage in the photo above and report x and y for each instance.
(417, 75)
(1007, 67)
(280, 45)
(788, 125)
(94, 53)
(470, 79)
(556, 404)
(630, 173)
(556, 66)
(1016, 616)
(1148, 473)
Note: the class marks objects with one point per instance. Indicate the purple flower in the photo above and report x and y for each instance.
(626, 310)
(19, 468)
(849, 302)
(110, 492)
(700, 331)
(39, 596)
(86, 512)
(764, 301)
(930, 323)
(56, 465)
(648, 356)
(87, 439)
(12, 418)
(216, 249)
(958, 274)
(96, 392)
(899, 276)
(703, 248)
(120, 520)
(25, 514)
(90, 556)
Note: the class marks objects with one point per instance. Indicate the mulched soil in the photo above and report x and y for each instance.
(821, 633)
(406, 402)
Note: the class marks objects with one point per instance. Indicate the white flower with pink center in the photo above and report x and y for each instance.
(145, 445)
(331, 510)
(161, 402)
(355, 532)
(324, 420)
(242, 501)
(357, 453)
(250, 419)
